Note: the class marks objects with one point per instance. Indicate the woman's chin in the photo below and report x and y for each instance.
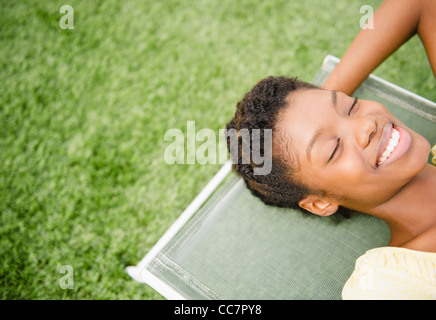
(418, 154)
(423, 153)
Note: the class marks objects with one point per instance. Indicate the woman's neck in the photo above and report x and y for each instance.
(411, 214)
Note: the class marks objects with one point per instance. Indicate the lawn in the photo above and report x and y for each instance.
(84, 111)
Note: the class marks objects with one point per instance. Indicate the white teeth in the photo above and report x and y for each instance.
(393, 142)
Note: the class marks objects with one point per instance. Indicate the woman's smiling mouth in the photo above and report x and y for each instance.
(394, 143)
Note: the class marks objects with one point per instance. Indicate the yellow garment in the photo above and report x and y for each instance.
(393, 273)
(433, 152)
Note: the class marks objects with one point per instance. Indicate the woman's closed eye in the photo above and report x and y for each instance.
(353, 106)
(338, 141)
(335, 150)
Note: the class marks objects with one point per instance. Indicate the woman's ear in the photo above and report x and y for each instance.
(318, 205)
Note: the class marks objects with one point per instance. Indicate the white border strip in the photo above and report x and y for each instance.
(138, 273)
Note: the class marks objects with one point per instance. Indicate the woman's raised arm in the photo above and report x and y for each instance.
(395, 22)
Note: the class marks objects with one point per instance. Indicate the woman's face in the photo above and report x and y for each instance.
(355, 151)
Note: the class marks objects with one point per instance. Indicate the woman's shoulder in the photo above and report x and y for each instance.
(393, 273)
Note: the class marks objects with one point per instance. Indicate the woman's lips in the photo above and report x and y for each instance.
(384, 140)
(399, 150)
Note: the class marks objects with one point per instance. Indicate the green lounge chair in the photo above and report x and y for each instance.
(228, 245)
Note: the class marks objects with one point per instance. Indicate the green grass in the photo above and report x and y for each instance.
(83, 114)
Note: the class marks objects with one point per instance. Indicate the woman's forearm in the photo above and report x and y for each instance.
(395, 22)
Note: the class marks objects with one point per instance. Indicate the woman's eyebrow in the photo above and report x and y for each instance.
(334, 97)
(319, 132)
(312, 142)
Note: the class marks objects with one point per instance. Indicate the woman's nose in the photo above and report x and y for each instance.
(364, 129)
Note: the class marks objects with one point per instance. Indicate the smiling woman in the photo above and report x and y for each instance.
(331, 150)
(340, 145)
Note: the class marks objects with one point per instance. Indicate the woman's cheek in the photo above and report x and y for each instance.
(353, 170)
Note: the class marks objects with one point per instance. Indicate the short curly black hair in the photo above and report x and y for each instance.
(260, 109)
